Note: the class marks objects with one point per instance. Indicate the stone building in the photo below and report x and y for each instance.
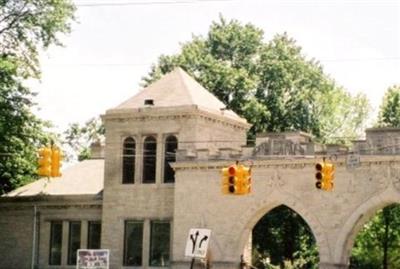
(160, 177)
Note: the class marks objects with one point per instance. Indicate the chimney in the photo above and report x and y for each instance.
(96, 150)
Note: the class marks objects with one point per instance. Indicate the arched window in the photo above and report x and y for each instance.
(171, 144)
(128, 161)
(149, 160)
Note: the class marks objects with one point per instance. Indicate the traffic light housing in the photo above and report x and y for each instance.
(236, 179)
(44, 162)
(229, 180)
(56, 162)
(325, 174)
(49, 162)
(246, 179)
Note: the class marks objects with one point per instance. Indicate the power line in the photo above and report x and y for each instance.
(146, 3)
(148, 64)
(361, 59)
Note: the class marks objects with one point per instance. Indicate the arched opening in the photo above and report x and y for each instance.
(149, 160)
(128, 161)
(377, 244)
(282, 239)
(171, 144)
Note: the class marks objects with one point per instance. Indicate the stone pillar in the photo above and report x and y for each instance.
(64, 246)
(84, 234)
(159, 159)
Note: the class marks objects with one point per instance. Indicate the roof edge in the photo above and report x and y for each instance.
(75, 198)
(172, 111)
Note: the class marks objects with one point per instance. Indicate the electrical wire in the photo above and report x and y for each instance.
(148, 64)
(145, 3)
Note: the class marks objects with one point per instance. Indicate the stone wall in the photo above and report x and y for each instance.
(17, 248)
(194, 129)
(334, 217)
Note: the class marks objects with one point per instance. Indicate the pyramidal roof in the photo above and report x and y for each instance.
(174, 89)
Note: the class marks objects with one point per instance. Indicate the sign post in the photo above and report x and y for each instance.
(197, 244)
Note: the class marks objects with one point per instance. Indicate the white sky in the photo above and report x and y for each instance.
(112, 47)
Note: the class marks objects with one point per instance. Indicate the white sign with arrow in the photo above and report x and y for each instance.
(197, 243)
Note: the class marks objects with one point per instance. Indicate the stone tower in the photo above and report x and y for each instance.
(142, 137)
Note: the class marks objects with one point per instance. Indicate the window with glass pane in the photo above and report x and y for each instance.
(55, 242)
(74, 241)
(128, 161)
(149, 160)
(133, 243)
(94, 235)
(159, 243)
(171, 144)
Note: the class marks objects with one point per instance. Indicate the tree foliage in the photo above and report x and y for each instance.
(21, 132)
(272, 84)
(389, 114)
(78, 138)
(377, 244)
(25, 28)
(283, 239)
(29, 25)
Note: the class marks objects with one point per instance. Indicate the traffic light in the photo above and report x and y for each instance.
(44, 162)
(229, 180)
(49, 162)
(236, 179)
(246, 179)
(55, 162)
(325, 175)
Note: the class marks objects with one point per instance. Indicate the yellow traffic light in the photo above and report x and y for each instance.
(245, 179)
(56, 162)
(44, 162)
(236, 179)
(325, 175)
(229, 180)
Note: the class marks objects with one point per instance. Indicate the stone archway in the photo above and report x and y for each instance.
(274, 200)
(357, 220)
(280, 237)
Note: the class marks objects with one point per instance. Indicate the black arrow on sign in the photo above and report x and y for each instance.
(203, 240)
(194, 240)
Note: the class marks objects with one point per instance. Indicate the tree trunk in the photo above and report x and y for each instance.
(386, 219)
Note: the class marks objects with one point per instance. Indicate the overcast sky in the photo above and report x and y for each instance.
(114, 43)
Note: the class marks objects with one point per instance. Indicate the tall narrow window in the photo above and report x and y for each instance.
(171, 144)
(149, 160)
(55, 242)
(133, 243)
(128, 161)
(159, 243)
(94, 235)
(74, 242)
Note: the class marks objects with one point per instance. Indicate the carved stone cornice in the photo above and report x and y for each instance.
(173, 113)
(281, 162)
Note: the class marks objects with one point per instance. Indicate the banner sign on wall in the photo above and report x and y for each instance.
(93, 259)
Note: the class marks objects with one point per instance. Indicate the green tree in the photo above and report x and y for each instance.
(21, 132)
(271, 84)
(377, 244)
(30, 25)
(283, 239)
(26, 27)
(389, 114)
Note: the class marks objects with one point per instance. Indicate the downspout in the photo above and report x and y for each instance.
(34, 238)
